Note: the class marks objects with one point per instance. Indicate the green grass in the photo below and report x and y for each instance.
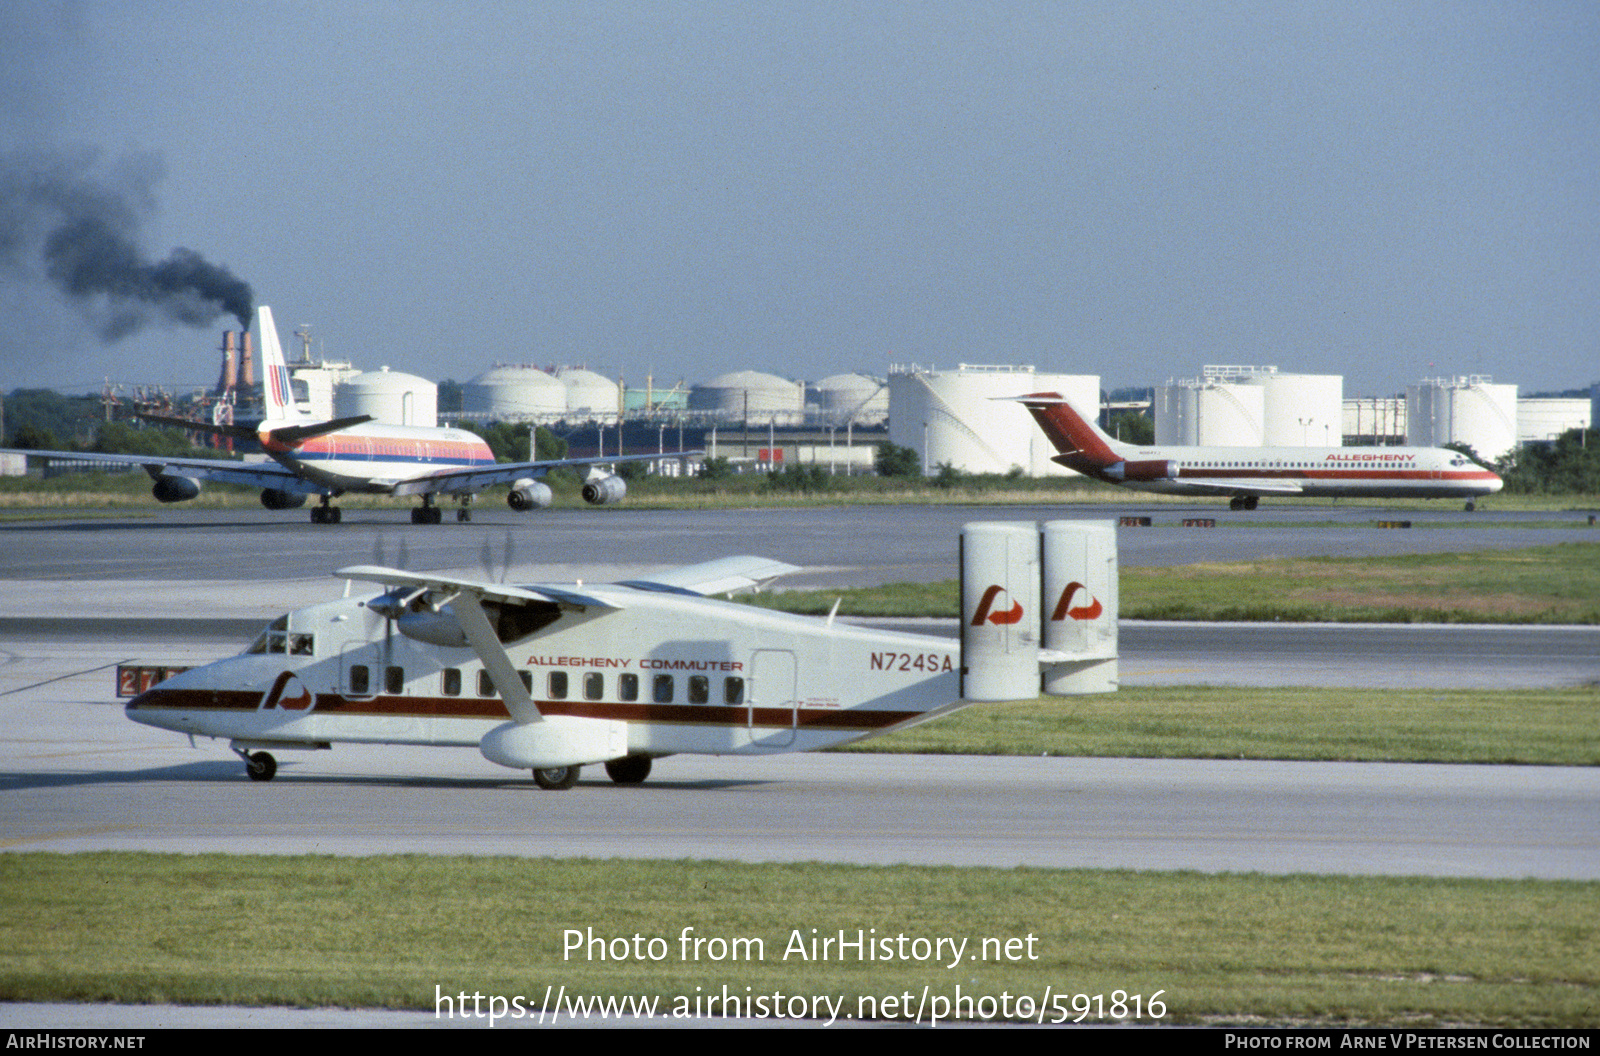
(385, 932)
(1547, 584)
(1533, 726)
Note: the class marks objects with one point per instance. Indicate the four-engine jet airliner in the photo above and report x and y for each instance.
(1247, 473)
(330, 458)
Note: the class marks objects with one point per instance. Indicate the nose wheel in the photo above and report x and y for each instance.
(261, 766)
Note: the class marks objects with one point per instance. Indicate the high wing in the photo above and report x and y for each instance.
(226, 470)
(414, 595)
(458, 481)
(725, 575)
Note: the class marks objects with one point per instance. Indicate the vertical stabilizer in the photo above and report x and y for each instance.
(277, 398)
(1039, 609)
(1000, 611)
(1080, 603)
(1069, 431)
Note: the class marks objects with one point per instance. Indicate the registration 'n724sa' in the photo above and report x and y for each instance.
(933, 662)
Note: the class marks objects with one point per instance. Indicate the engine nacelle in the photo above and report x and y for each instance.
(1151, 469)
(604, 490)
(175, 489)
(273, 499)
(529, 495)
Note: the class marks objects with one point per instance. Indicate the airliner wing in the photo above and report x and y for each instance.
(225, 470)
(1223, 486)
(456, 481)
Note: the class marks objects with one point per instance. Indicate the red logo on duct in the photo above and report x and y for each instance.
(1066, 610)
(987, 613)
(288, 693)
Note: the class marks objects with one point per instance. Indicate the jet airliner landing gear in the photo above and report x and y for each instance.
(427, 513)
(326, 513)
(464, 512)
(261, 766)
(557, 777)
(1471, 506)
(1243, 502)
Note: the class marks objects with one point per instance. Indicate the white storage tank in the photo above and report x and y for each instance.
(590, 397)
(960, 417)
(1301, 410)
(515, 392)
(761, 397)
(1470, 410)
(389, 397)
(856, 398)
(1195, 411)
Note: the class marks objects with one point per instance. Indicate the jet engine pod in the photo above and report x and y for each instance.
(557, 740)
(171, 488)
(604, 490)
(273, 499)
(529, 494)
(1150, 469)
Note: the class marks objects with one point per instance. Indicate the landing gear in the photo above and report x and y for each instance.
(556, 777)
(326, 513)
(630, 770)
(1471, 506)
(1243, 502)
(427, 513)
(261, 766)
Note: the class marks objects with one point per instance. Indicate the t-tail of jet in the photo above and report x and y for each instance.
(1079, 442)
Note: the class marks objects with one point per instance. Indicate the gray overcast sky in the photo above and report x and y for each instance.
(1384, 190)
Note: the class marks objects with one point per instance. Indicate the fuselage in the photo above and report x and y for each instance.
(1376, 472)
(683, 675)
(374, 457)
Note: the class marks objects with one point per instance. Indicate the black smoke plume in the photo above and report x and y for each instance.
(75, 223)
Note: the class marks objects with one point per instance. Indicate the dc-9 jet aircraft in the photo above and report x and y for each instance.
(1247, 473)
(550, 678)
(330, 458)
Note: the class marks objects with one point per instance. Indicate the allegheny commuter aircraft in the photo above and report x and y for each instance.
(330, 458)
(550, 678)
(1247, 473)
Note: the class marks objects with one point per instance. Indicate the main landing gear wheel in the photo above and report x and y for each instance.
(261, 766)
(556, 777)
(630, 770)
(1471, 506)
(426, 515)
(325, 514)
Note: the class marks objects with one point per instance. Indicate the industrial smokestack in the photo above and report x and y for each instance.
(230, 366)
(247, 361)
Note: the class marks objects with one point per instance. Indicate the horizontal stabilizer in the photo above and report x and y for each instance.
(725, 575)
(236, 432)
(297, 434)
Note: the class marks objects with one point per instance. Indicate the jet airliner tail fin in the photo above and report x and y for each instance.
(1076, 438)
(277, 398)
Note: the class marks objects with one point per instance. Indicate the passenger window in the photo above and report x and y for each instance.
(557, 684)
(733, 691)
(485, 684)
(662, 689)
(359, 678)
(394, 679)
(450, 681)
(594, 686)
(628, 687)
(699, 689)
(527, 680)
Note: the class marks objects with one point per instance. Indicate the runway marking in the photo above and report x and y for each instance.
(59, 678)
(66, 834)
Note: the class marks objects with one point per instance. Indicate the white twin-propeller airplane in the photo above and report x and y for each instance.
(1247, 473)
(550, 678)
(330, 458)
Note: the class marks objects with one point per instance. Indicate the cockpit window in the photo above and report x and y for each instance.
(277, 639)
